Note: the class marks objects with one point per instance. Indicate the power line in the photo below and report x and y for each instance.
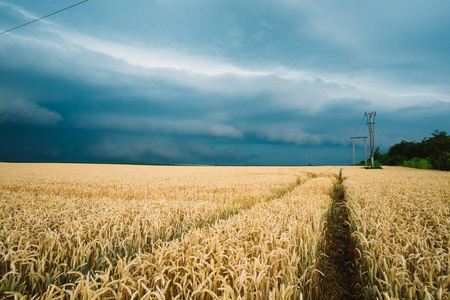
(360, 125)
(53, 13)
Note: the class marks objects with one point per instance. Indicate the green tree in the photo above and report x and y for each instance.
(437, 149)
(396, 160)
(408, 149)
(380, 157)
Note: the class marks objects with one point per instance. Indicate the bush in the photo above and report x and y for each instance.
(376, 165)
(418, 163)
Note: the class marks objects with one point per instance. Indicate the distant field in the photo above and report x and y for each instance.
(80, 231)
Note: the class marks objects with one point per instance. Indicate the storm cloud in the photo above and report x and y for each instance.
(204, 82)
(22, 111)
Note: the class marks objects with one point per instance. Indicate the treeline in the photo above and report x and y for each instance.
(431, 153)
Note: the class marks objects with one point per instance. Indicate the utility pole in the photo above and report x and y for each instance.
(371, 122)
(353, 139)
(365, 156)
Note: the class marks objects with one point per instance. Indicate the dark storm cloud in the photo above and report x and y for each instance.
(165, 150)
(23, 111)
(253, 82)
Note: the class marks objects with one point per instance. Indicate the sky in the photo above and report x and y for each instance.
(236, 82)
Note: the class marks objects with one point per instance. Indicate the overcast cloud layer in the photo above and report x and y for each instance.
(219, 82)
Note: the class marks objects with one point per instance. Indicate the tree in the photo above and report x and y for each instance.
(380, 157)
(396, 160)
(437, 149)
(432, 152)
(407, 149)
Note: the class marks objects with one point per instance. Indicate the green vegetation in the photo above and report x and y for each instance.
(418, 163)
(431, 153)
(376, 165)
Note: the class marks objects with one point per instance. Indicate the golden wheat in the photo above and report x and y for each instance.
(401, 223)
(79, 231)
(134, 232)
(266, 252)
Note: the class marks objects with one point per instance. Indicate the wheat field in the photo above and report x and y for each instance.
(80, 231)
(401, 224)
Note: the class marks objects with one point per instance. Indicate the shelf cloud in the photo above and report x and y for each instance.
(253, 82)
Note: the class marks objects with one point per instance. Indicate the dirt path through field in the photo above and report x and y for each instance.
(340, 279)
